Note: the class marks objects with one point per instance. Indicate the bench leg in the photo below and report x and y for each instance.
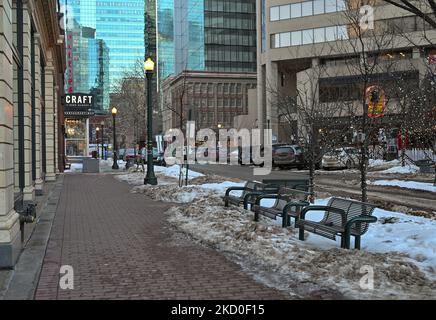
(256, 215)
(342, 241)
(357, 242)
(347, 240)
(226, 202)
(301, 234)
(284, 220)
(295, 223)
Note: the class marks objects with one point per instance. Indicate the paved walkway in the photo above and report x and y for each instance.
(120, 247)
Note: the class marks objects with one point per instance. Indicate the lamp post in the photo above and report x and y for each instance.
(115, 148)
(97, 130)
(150, 177)
(102, 140)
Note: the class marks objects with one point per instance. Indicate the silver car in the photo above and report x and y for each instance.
(342, 158)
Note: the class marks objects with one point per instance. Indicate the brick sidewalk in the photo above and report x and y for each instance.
(121, 247)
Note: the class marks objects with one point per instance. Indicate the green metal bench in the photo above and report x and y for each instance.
(288, 203)
(300, 184)
(250, 192)
(342, 217)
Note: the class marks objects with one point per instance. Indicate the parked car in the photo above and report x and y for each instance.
(288, 156)
(129, 153)
(121, 153)
(341, 158)
(158, 157)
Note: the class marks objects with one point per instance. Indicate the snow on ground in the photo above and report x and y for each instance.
(109, 162)
(174, 172)
(402, 170)
(165, 175)
(299, 267)
(186, 194)
(400, 248)
(405, 184)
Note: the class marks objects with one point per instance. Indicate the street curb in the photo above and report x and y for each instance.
(27, 271)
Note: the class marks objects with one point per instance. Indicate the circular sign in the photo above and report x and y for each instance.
(376, 101)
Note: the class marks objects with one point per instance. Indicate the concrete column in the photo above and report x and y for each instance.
(29, 190)
(38, 180)
(271, 87)
(49, 118)
(10, 244)
(56, 136)
(260, 97)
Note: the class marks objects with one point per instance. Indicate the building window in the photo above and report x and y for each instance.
(306, 8)
(285, 12)
(296, 38)
(296, 10)
(330, 6)
(275, 13)
(309, 36)
(319, 35)
(318, 7)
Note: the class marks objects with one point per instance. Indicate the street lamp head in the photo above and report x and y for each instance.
(97, 129)
(149, 65)
(114, 111)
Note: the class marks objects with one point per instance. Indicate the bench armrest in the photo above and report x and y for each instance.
(250, 195)
(236, 189)
(323, 208)
(295, 204)
(361, 218)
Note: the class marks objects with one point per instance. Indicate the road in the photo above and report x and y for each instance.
(246, 172)
(338, 183)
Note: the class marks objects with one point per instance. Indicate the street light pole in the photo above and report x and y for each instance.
(150, 178)
(102, 141)
(98, 146)
(114, 148)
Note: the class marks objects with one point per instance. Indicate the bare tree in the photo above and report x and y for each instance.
(366, 67)
(315, 121)
(425, 9)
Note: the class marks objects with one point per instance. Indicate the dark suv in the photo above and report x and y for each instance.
(288, 156)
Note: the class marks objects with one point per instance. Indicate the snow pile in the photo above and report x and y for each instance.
(75, 167)
(402, 170)
(301, 267)
(187, 194)
(165, 175)
(377, 163)
(174, 172)
(405, 184)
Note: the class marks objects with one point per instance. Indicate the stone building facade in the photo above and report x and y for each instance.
(214, 98)
(32, 64)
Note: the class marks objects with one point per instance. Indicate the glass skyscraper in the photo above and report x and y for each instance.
(119, 23)
(88, 64)
(199, 35)
(230, 35)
